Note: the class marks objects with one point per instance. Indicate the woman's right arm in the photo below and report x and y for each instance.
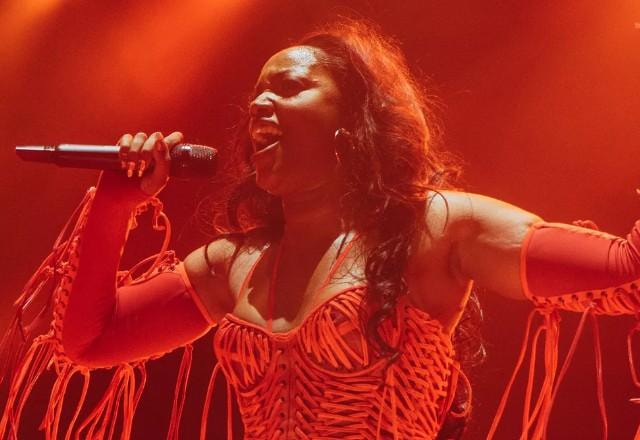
(104, 325)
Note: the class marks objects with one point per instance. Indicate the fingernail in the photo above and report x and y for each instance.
(130, 169)
(143, 165)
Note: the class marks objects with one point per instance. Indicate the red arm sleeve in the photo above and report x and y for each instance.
(572, 267)
(104, 325)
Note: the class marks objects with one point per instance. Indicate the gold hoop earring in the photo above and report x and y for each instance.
(342, 146)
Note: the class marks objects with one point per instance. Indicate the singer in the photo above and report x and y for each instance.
(342, 271)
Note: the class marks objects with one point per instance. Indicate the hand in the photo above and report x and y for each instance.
(139, 151)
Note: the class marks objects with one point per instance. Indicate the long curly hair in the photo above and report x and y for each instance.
(391, 159)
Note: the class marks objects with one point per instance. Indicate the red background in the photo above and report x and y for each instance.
(540, 98)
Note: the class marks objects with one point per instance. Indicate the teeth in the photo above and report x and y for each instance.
(266, 134)
(267, 131)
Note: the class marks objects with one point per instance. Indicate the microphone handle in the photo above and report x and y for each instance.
(97, 157)
(187, 160)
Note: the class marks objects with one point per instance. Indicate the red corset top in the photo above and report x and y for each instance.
(324, 380)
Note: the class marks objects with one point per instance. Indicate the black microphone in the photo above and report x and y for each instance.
(187, 160)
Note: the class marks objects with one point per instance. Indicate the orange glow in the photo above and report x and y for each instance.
(138, 60)
(159, 50)
(539, 98)
(18, 21)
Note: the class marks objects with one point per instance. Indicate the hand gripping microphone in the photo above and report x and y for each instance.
(187, 160)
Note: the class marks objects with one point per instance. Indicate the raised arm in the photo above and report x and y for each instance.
(104, 324)
(487, 236)
(515, 253)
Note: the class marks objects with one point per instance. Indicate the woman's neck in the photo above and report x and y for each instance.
(312, 215)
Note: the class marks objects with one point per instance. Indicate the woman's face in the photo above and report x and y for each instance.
(294, 116)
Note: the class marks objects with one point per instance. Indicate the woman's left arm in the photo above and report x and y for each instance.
(514, 252)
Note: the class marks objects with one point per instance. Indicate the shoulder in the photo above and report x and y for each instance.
(208, 269)
(483, 238)
(213, 258)
(470, 227)
(447, 215)
(447, 219)
(446, 208)
(459, 215)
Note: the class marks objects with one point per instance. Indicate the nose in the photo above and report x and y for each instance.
(262, 106)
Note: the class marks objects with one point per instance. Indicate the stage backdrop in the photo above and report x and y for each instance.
(541, 99)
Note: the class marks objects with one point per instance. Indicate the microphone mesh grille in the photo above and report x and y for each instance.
(189, 160)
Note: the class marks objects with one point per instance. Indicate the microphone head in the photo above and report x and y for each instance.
(190, 160)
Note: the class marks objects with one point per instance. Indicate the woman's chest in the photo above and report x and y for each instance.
(279, 292)
(332, 340)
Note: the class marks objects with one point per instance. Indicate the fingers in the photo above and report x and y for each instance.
(161, 159)
(147, 151)
(155, 181)
(136, 152)
(125, 141)
(139, 151)
(161, 155)
(136, 146)
(125, 145)
(130, 148)
(174, 139)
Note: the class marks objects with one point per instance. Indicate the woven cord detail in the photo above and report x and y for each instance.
(618, 300)
(24, 363)
(635, 377)
(323, 379)
(537, 411)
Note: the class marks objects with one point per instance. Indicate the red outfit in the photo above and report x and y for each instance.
(321, 379)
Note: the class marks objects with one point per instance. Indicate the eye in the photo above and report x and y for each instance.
(290, 86)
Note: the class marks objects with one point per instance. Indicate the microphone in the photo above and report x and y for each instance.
(187, 160)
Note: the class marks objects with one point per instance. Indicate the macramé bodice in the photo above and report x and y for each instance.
(324, 380)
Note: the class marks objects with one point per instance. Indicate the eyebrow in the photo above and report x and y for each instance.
(271, 77)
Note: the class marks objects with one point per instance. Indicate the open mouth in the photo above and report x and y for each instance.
(265, 136)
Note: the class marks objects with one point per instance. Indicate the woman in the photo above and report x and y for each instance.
(346, 263)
